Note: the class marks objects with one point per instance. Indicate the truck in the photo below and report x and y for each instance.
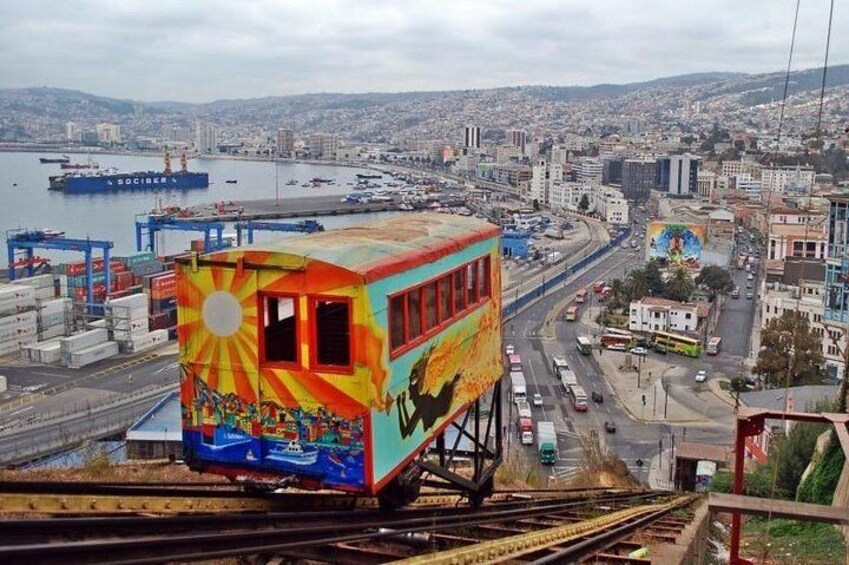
(524, 410)
(568, 379)
(526, 431)
(518, 386)
(558, 363)
(546, 443)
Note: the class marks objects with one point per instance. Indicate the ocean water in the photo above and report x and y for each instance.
(25, 201)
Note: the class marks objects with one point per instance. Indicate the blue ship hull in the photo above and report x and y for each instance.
(130, 181)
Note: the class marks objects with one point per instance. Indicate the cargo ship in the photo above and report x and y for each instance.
(49, 160)
(110, 179)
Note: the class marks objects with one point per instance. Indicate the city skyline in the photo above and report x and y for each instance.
(200, 52)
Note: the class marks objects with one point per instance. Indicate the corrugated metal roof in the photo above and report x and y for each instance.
(160, 423)
(378, 249)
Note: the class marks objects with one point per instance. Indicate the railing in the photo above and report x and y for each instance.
(523, 300)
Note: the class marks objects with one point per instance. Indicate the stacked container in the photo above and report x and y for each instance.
(54, 318)
(18, 319)
(46, 352)
(128, 320)
(43, 285)
(86, 348)
(162, 291)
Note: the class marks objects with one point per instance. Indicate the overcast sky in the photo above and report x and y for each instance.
(209, 49)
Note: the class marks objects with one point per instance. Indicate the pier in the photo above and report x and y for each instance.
(276, 209)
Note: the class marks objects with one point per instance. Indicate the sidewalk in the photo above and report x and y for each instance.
(658, 476)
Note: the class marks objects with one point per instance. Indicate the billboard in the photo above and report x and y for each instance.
(674, 244)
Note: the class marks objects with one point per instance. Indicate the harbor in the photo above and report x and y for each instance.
(278, 209)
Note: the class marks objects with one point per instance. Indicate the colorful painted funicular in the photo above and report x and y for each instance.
(339, 359)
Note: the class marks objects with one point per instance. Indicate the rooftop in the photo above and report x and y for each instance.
(160, 423)
(372, 250)
(801, 398)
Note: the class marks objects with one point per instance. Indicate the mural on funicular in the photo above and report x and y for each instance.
(245, 415)
(237, 413)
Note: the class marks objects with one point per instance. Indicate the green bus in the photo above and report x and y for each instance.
(585, 345)
(675, 343)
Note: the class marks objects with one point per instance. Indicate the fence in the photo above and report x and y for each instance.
(513, 308)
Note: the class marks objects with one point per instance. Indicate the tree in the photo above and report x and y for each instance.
(617, 293)
(680, 286)
(654, 278)
(584, 204)
(637, 284)
(716, 279)
(789, 349)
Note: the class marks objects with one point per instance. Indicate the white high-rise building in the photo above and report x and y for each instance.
(472, 137)
(72, 132)
(545, 176)
(323, 145)
(589, 170)
(779, 179)
(206, 137)
(516, 138)
(108, 133)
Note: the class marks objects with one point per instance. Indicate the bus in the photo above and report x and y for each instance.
(515, 363)
(616, 339)
(571, 313)
(581, 296)
(675, 343)
(578, 398)
(714, 345)
(585, 345)
(518, 387)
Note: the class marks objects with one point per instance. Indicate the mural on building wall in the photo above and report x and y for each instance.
(674, 244)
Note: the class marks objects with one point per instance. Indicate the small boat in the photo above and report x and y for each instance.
(293, 453)
(49, 160)
(231, 181)
(291, 182)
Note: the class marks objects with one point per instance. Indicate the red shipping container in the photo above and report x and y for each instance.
(164, 282)
(162, 294)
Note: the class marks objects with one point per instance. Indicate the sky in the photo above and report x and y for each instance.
(203, 50)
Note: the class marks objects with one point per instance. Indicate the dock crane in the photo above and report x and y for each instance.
(150, 225)
(304, 226)
(29, 240)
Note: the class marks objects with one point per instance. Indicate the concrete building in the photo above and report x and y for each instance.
(544, 175)
(638, 178)
(589, 170)
(158, 434)
(108, 133)
(787, 179)
(323, 145)
(514, 175)
(746, 184)
(285, 142)
(506, 153)
(72, 132)
(742, 167)
(683, 175)
(206, 137)
(472, 137)
(652, 314)
(611, 172)
(609, 204)
(516, 138)
(567, 195)
(706, 185)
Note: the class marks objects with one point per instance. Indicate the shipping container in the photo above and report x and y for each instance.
(14, 299)
(136, 258)
(163, 305)
(74, 343)
(91, 355)
(39, 281)
(132, 302)
(145, 341)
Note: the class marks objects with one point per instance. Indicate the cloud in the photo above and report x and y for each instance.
(203, 50)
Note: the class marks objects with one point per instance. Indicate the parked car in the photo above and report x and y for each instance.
(610, 427)
(537, 399)
(749, 296)
(735, 293)
(641, 351)
(597, 397)
(750, 277)
(701, 376)
(509, 349)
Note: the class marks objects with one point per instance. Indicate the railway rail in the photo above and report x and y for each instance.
(527, 525)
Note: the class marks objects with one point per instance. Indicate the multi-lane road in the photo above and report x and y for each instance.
(634, 441)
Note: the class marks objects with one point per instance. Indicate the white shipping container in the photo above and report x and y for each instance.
(97, 324)
(54, 306)
(84, 340)
(13, 333)
(15, 298)
(52, 332)
(132, 301)
(19, 319)
(39, 281)
(14, 346)
(4, 384)
(48, 293)
(145, 341)
(92, 354)
(123, 327)
(124, 315)
(51, 320)
(47, 353)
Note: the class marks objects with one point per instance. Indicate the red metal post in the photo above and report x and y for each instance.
(739, 456)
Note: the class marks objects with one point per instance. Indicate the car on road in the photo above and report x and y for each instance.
(597, 397)
(537, 399)
(509, 349)
(749, 296)
(610, 427)
(750, 277)
(735, 293)
(749, 284)
(641, 351)
(701, 376)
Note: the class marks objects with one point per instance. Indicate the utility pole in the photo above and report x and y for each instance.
(666, 399)
(276, 184)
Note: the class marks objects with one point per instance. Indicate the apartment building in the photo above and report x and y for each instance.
(652, 314)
